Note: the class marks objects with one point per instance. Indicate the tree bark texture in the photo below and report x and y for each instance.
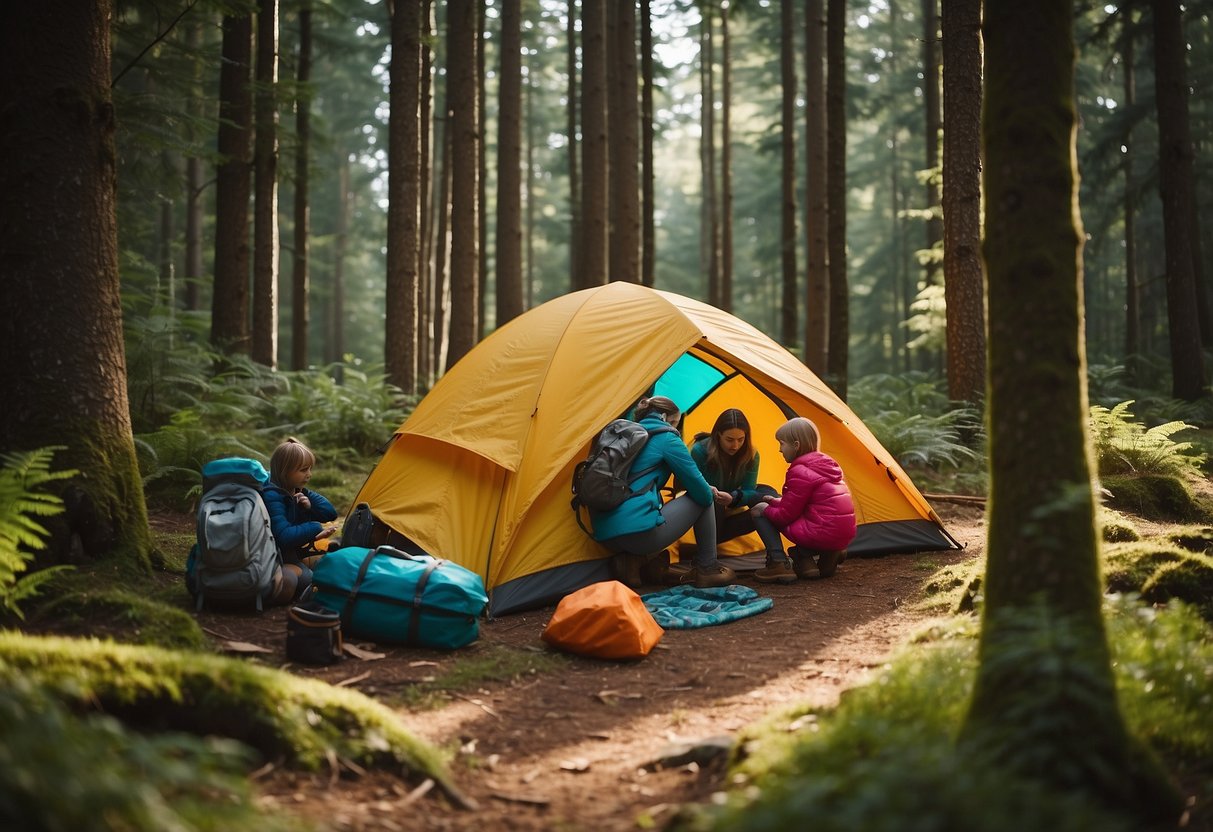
(930, 101)
(1044, 701)
(463, 100)
(624, 146)
(301, 316)
(1175, 189)
(817, 295)
(836, 193)
(509, 166)
(726, 166)
(787, 175)
(592, 249)
(60, 310)
(964, 281)
(230, 290)
(648, 246)
(404, 198)
(265, 190)
(574, 146)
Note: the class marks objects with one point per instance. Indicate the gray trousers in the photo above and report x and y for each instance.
(681, 513)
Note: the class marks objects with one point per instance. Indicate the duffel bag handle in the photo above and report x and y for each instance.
(393, 552)
(347, 608)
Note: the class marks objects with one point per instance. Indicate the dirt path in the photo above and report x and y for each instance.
(567, 750)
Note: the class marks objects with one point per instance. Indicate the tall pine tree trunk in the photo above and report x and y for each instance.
(648, 253)
(265, 190)
(509, 166)
(1044, 703)
(425, 293)
(710, 212)
(836, 192)
(1175, 188)
(787, 175)
(624, 146)
(963, 280)
(573, 146)
(726, 166)
(64, 373)
(1132, 292)
(301, 315)
(817, 296)
(930, 100)
(463, 101)
(592, 249)
(193, 186)
(404, 197)
(230, 301)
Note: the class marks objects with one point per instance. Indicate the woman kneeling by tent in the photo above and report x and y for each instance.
(642, 525)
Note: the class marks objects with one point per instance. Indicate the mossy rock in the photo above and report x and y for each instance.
(1117, 531)
(120, 615)
(1155, 497)
(1189, 579)
(1128, 566)
(303, 722)
(1197, 539)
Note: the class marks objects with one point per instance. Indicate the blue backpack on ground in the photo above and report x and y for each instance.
(389, 596)
(235, 560)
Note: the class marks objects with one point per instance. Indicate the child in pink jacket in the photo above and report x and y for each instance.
(816, 511)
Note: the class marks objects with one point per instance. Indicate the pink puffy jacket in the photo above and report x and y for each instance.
(816, 510)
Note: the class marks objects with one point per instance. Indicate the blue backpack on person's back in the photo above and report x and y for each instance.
(235, 560)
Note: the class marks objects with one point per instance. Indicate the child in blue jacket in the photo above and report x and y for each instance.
(298, 516)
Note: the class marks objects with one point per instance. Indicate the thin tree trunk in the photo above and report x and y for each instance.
(301, 316)
(509, 166)
(425, 299)
(193, 189)
(575, 230)
(1175, 188)
(964, 283)
(624, 146)
(594, 194)
(817, 295)
(345, 209)
(230, 302)
(1132, 293)
(482, 178)
(648, 253)
(836, 176)
(265, 190)
(787, 175)
(64, 373)
(930, 86)
(711, 207)
(167, 267)
(404, 198)
(463, 98)
(528, 190)
(726, 166)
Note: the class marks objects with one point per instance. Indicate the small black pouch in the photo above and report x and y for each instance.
(313, 634)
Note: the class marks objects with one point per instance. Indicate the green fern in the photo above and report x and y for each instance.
(21, 504)
(1124, 445)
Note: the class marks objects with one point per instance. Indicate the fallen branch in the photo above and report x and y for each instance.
(957, 498)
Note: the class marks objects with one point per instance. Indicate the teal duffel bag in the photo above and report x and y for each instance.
(385, 595)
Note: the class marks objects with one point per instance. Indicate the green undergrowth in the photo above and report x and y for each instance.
(1164, 497)
(885, 758)
(300, 721)
(475, 666)
(60, 771)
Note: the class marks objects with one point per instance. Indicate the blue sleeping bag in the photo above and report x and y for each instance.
(687, 607)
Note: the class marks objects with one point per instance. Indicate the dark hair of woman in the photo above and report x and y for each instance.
(730, 467)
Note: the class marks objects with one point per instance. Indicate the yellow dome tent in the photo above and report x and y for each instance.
(480, 473)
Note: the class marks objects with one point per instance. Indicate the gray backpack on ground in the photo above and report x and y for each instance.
(236, 559)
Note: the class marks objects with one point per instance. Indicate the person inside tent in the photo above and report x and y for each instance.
(816, 511)
(728, 461)
(642, 525)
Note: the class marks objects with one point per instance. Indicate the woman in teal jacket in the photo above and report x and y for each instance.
(643, 525)
(729, 462)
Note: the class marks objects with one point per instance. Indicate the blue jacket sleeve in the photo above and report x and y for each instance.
(322, 509)
(676, 455)
(290, 531)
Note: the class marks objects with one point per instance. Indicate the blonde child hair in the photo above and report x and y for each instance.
(290, 456)
(800, 431)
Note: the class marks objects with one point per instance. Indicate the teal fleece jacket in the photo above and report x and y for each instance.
(642, 511)
(744, 488)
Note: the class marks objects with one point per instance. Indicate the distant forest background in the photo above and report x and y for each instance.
(529, 116)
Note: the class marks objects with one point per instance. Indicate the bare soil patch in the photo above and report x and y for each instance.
(567, 749)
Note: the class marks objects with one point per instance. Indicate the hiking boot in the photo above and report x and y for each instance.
(710, 576)
(657, 570)
(627, 569)
(802, 562)
(779, 572)
(827, 562)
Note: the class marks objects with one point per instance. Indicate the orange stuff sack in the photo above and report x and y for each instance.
(605, 620)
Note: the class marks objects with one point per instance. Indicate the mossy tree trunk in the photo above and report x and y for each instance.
(1045, 700)
(64, 372)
